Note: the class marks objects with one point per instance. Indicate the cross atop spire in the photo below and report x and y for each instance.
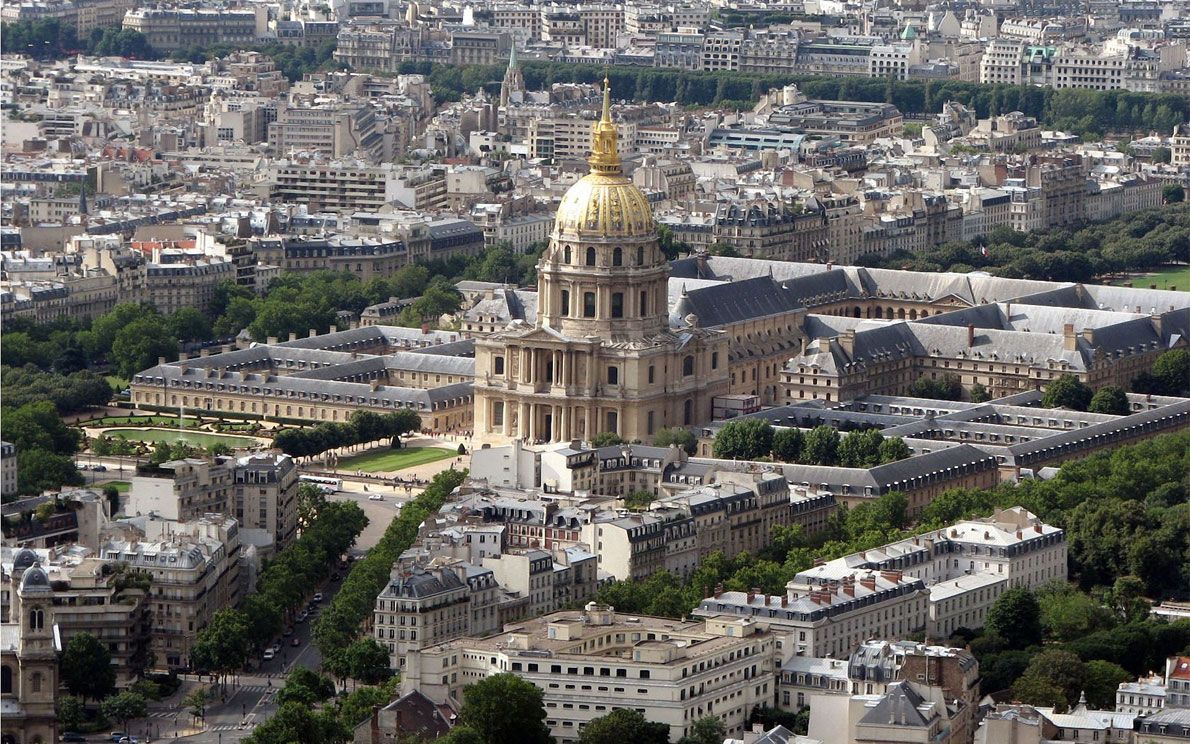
(605, 154)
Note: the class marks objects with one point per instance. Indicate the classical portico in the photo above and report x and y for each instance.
(602, 355)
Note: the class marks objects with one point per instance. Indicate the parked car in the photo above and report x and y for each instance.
(275, 647)
(317, 596)
(269, 654)
(376, 497)
(296, 641)
(72, 736)
(117, 735)
(302, 617)
(287, 632)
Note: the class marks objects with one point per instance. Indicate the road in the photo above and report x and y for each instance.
(379, 513)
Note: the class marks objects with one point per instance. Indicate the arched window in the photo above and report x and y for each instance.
(688, 412)
(590, 256)
(687, 366)
(566, 258)
(617, 304)
(618, 257)
(6, 680)
(588, 304)
(613, 375)
(498, 365)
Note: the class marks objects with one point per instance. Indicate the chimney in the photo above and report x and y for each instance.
(818, 561)
(868, 581)
(204, 353)
(718, 590)
(970, 335)
(313, 332)
(271, 340)
(892, 574)
(183, 356)
(847, 341)
(1071, 341)
(160, 360)
(824, 345)
(1089, 334)
(374, 727)
(706, 592)
(700, 260)
(784, 600)
(751, 595)
(334, 329)
(425, 328)
(292, 336)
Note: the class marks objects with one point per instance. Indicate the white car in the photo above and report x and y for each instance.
(269, 654)
(376, 497)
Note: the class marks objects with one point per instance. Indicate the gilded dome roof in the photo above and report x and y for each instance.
(604, 203)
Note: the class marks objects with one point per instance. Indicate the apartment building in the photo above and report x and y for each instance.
(90, 597)
(829, 618)
(193, 569)
(259, 490)
(365, 258)
(549, 580)
(189, 283)
(681, 50)
(851, 122)
(330, 130)
(771, 230)
(426, 605)
(8, 468)
(590, 662)
(721, 50)
(175, 29)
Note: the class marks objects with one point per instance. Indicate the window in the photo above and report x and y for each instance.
(566, 257)
(650, 423)
(617, 304)
(588, 304)
(613, 375)
(498, 413)
(714, 360)
(613, 422)
(498, 365)
(644, 304)
(640, 255)
(651, 375)
(565, 302)
(618, 257)
(687, 366)
(591, 256)
(688, 413)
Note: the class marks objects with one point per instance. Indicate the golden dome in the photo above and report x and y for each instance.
(604, 203)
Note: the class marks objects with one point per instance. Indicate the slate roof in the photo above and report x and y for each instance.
(900, 706)
(733, 302)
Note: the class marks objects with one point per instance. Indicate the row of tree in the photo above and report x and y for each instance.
(339, 625)
(1080, 111)
(755, 438)
(45, 447)
(1134, 242)
(308, 711)
(51, 39)
(68, 392)
(362, 428)
(236, 633)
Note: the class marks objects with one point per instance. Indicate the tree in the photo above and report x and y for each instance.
(86, 667)
(860, 449)
(124, 707)
(743, 439)
(606, 439)
(1173, 193)
(294, 722)
(1102, 679)
(623, 725)
(1063, 669)
(707, 730)
(196, 702)
(189, 324)
(224, 645)
(1036, 690)
(357, 707)
(1162, 155)
(1109, 399)
(368, 661)
(638, 499)
(1126, 598)
(1067, 614)
(787, 444)
(893, 449)
(305, 687)
(683, 438)
(1016, 617)
(1172, 370)
(505, 709)
(138, 345)
(70, 712)
(462, 735)
(979, 393)
(39, 470)
(38, 426)
(1067, 392)
(821, 447)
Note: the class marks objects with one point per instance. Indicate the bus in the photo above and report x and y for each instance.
(326, 485)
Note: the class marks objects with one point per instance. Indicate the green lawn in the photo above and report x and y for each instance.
(195, 438)
(121, 486)
(398, 459)
(1164, 278)
(141, 420)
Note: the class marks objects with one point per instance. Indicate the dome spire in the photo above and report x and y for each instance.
(605, 154)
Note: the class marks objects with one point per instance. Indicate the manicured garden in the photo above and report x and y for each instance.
(1167, 276)
(142, 421)
(172, 436)
(388, 460)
